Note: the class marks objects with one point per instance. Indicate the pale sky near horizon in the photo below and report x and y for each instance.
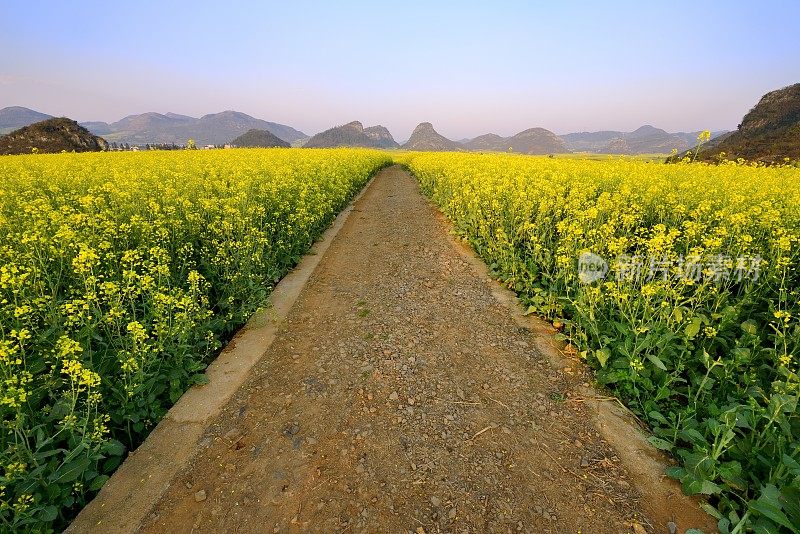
(469, 68)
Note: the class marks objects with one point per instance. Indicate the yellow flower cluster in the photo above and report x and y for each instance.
(81, 377)
(533, 217)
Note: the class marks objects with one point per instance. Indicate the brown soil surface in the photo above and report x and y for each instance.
(401, 396)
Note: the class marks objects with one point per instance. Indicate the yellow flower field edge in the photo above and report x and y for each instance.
(689, 311)
(121, 275)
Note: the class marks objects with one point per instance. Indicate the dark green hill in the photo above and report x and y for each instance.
(259, 139)
(51, 136)
(353, 134)
(770, 132)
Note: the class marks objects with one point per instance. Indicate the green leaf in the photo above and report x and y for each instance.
(656, 361)
(72, 470)
(693, 328)
(783, 403)
(98, 482)
(730, 469)
(712, 511)
(675, 472)
(691, 486)
(792, 464)
(709, 488)
(659, 443)
(656, 416)
(48, 514)
(774, 515)
(790, 499)
(602, 356)
(200, 379)
(693, 436)
(41, 456)
(114, 448)
(769, 506)
(112, 463)
(750, 327)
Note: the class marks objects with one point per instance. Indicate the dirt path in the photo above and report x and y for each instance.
(400, 395)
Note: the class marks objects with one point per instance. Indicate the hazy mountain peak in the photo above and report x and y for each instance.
(425, 137)
(14, 117)
(353, 134)
(381, 136)
(227, 115)
(259, 139)
(488, 142)
(533, 132)
(648, 130)
(356, 125)
(377, 128)
(537, 141)
(179, 116)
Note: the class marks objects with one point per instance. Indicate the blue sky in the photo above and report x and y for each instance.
(469, 68)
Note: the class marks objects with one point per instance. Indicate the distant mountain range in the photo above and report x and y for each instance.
(221, 128)
(216, 128)
(531, 141)
(353, 134)
(644, 140)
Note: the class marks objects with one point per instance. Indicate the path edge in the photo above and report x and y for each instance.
(130, 495)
